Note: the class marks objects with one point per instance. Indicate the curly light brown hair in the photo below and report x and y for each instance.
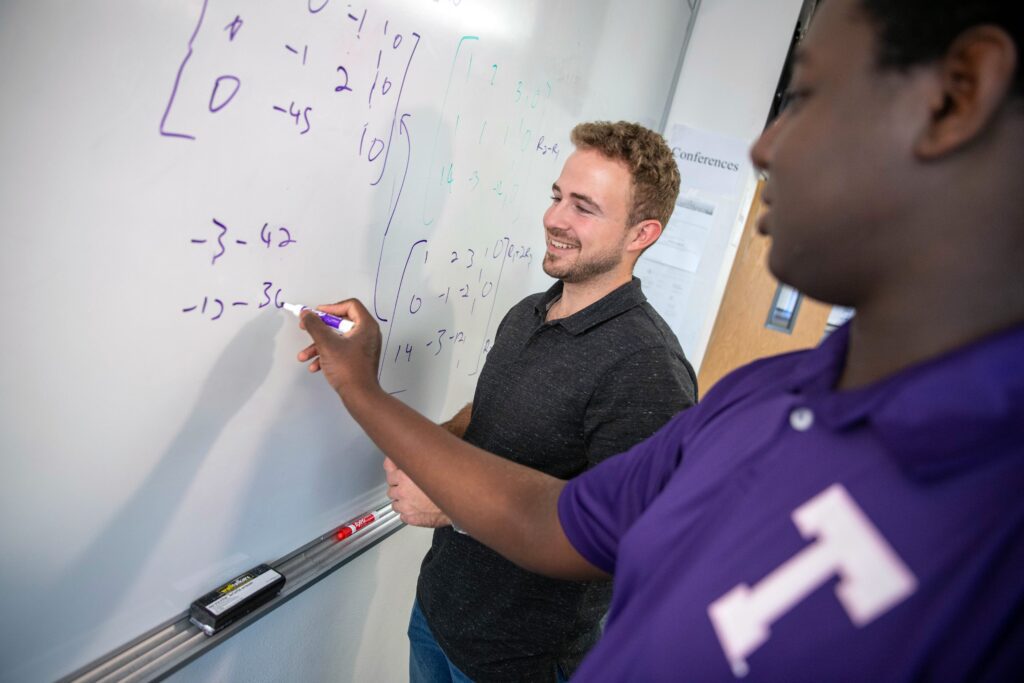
(650, 162)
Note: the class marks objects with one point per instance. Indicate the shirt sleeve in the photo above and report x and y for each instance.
(639, 395)
(598, 507)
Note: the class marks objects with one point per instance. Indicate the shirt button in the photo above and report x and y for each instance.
(801, 419)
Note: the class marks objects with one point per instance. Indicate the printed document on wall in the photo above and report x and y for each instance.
(680, 270)
(682, 244)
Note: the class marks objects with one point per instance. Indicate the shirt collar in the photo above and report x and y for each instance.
(936, 417)
(607, 307)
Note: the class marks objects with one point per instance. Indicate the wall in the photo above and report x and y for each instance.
(729, 76)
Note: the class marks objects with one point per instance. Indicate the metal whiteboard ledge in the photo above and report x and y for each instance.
(166, 648)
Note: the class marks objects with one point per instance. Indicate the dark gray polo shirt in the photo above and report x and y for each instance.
(558, 397)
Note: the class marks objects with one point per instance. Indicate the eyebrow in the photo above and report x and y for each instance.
(580, 197)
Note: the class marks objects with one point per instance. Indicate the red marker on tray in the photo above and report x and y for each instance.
(361, 523)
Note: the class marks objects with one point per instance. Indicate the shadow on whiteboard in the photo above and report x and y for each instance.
(140, 524)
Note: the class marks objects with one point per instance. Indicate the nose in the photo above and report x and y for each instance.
(553, 215)
(760, 153)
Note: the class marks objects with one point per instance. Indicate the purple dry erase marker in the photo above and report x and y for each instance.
(342, 325)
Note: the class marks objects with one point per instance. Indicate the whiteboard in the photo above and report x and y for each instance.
(172, 171)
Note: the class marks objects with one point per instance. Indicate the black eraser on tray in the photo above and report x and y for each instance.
(236, 598)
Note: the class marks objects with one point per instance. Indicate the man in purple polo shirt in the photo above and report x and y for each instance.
(848, 513)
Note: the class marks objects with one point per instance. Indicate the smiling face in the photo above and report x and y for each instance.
(585, 225)
(843, 181)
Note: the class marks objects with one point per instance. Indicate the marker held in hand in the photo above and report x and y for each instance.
(342, 325)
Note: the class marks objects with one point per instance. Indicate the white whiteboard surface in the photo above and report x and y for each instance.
(169, 172)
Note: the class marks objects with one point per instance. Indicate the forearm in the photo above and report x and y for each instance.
(508, 507)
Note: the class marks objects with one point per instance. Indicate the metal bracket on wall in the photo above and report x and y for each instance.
(166, 648)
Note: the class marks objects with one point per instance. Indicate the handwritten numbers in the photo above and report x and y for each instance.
(299, 115)
(267, 300)
(219, 100)
(408, 352)
(284, 236)
(287, 237)
(220, 241)
(295, 113)
(344, 86)
(234, 27)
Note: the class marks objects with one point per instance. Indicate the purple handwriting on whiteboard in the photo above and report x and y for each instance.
(299, 114)
(470, 276)
(374, 84)
(177, 81)
(305, 51)
(279, 237)
(224, 87)
(219, 99)
(213, 308)
(234, 27)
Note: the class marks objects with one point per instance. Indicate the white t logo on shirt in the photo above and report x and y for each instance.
(872, 577)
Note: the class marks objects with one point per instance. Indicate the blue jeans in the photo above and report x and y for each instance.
(427, 661)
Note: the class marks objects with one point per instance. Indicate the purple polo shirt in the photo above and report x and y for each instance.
(784, 531)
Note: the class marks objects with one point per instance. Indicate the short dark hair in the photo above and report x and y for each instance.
(912, 32)
(650, 162)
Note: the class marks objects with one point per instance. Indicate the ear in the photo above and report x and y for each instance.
(645, 233)
(975, 77)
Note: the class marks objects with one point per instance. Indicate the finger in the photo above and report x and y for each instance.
(308, 353)
(315, 327)
(389, 465)
(352, 309)
(315, 366)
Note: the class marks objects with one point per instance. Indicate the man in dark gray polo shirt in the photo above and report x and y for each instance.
(577, 373)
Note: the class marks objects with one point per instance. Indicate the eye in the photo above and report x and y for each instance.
(793, 98)
(555, 199)
(583, 209)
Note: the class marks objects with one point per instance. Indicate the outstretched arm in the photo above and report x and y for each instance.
(506, 506)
